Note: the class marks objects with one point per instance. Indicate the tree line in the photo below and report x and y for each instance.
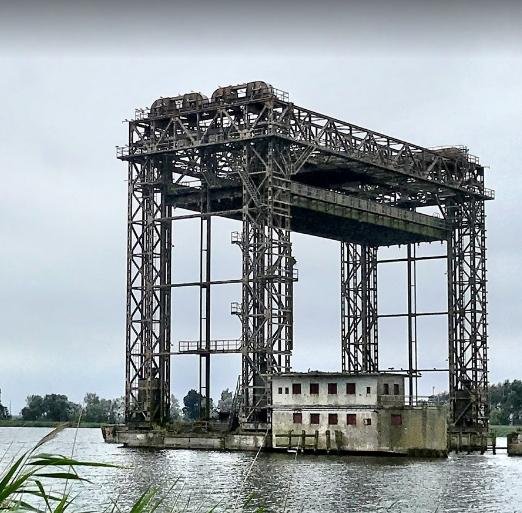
(505, 401)
(58, 408)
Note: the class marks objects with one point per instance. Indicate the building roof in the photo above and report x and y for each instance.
(323, 374)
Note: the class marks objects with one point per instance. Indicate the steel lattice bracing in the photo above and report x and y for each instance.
(148, 304)
(467, 324)
(359, 326)
(267, 296)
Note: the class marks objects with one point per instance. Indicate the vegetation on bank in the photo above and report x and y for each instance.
(52, 409)
(18, 422)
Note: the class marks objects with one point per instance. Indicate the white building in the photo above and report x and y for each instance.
(355, 413)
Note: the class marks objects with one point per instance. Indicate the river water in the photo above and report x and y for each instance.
(199, 480)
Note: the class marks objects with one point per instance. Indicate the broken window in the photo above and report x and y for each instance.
(314, 418)
(314, 388)
(351, 419)
(367, 422)
(396, 389)
(350, 388)
(386, 389)
(332, 388)
(396, 420)
(296, 388)
(286, 390)
(298, 417)
(332, 419)
(280, 390)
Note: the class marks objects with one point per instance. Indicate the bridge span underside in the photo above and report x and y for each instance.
(251, 155)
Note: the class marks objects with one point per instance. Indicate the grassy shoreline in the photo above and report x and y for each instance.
(44, 423)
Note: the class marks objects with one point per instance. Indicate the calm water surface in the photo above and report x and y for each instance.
(333, 484)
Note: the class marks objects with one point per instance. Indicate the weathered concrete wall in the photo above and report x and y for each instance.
(422, 431)
(514, 444)
(342, 436)
(208, 441)
(282, 390)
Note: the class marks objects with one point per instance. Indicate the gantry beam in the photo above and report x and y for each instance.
(330, 214)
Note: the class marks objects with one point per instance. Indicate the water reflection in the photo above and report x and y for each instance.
(311, 484)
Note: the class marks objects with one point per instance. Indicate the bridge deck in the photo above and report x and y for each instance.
(330, 214)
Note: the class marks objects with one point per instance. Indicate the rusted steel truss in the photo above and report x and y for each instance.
(252, 155)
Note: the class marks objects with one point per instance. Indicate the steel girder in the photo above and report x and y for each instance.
(147, 396)
(359, 321)
(467, 317)
(381, 167)
(267, 290)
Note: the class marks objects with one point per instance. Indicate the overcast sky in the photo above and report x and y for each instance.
(434, 73)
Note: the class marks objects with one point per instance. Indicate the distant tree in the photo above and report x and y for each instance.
(175, 409)
(96, 409)
(53, 407)
(4, 412)
(191, 401)
(34, 409)
(506, 402)
(58, 408)
(225, 403)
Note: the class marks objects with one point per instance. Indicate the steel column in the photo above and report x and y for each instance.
(467, 321)
(267, 293)
(204, 305)
(147, 397)
(359, 327)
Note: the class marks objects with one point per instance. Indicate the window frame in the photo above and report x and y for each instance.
(349, 387)
(314, 385)
(393, 419)
(332, 386)
(296, 388)
(298, 415)
(314, 416)
(333, 416)
(349, 417)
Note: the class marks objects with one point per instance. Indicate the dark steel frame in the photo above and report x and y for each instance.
(264, 145)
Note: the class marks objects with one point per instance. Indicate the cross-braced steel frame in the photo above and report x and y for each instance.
(147, 396)
(251, 155)
(267, 295)
(359, 322)
(467, 326)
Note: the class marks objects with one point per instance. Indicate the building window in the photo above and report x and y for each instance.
(314, 388)
(298, 417)
(332, 388)
(368, 390)
(367, 422)
(386, 389)
(350, 388)
(286, 390)
(396, 420)
(296, 388)
(351, 419)
(280, 390)
(314, 418)
(332, 419)
(396, 389)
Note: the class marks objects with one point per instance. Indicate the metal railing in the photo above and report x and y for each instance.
(215, 346)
